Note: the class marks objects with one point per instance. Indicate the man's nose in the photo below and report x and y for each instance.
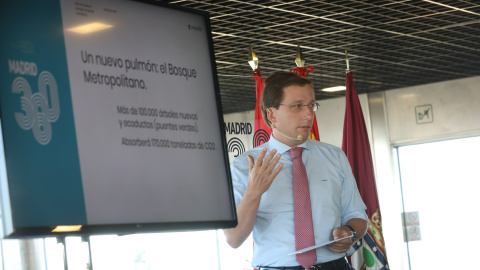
(308, 112)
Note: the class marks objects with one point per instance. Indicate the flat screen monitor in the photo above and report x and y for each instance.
(111, 119)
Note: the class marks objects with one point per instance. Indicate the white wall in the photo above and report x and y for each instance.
(455, 111)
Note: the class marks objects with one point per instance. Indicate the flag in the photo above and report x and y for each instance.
(370, 250)
(314, 132)
(262, 131)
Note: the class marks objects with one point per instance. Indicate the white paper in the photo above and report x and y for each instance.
(317, 246)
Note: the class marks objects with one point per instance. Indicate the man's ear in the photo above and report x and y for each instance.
(271, 115)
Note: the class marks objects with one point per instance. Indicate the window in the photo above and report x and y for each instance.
(440, 182)
(205, 249)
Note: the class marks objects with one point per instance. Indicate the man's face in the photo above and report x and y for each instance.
(293, 122)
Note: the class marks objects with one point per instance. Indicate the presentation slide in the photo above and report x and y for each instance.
(125, 125)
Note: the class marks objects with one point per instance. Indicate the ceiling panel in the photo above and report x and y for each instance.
(391, 44)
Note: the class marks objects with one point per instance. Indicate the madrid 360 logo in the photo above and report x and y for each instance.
(235, 145)
(40, 109)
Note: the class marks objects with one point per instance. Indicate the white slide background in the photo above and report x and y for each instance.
(126, 183)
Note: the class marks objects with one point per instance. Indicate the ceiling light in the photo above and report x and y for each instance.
(67, 228)
(89, 28)
(334, 89)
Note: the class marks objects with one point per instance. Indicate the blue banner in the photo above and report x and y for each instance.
(42, 159)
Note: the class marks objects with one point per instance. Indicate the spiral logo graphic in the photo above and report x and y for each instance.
(260, 137)
(235, 146)
(39, 109)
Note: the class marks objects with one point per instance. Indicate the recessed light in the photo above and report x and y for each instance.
(90, 28)
(334, 89)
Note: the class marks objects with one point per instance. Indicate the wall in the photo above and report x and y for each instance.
(449, 109)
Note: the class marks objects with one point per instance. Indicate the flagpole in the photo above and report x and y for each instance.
(346, 59)
(370, 250)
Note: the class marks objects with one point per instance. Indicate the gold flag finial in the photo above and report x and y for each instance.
(346, 58)
(252, 58)
(299, 60)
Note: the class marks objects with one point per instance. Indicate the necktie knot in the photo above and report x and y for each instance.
(295, 152)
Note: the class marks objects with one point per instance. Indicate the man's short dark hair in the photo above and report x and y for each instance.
(272, 94)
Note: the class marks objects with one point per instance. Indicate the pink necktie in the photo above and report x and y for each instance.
(304, 236)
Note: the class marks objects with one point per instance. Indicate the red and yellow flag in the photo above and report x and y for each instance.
(262, 131)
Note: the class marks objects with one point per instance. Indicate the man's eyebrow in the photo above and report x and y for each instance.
(300, 101)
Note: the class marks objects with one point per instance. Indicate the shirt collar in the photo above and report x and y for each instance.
(282, 148)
